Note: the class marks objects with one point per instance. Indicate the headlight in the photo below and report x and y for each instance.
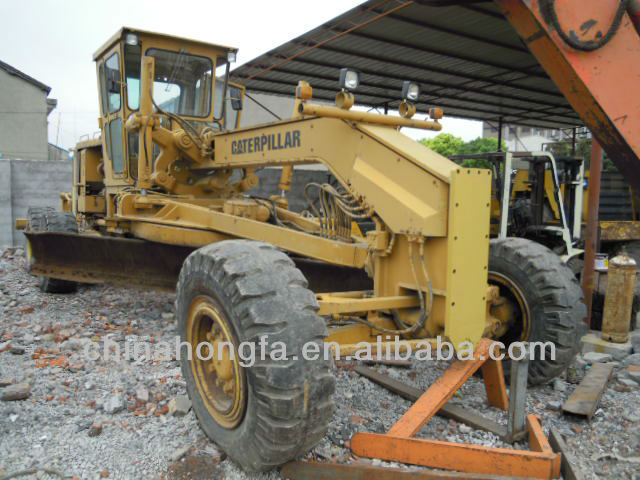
(131, 39)
(231, 56)
(349, 79)
(410, 91)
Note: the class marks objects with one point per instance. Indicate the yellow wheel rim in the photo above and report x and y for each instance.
(219, 378)
(513, 294)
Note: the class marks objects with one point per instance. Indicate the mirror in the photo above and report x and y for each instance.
(236, 97)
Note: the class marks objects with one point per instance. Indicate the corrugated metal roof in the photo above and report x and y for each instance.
(467, 59)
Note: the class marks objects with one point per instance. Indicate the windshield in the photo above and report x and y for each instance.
(182, 82)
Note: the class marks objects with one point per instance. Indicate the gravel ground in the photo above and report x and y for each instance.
(103, 418)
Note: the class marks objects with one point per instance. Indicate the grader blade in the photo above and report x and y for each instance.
(134, 262)
(99, 259)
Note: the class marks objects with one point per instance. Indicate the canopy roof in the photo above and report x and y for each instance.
(465, 55)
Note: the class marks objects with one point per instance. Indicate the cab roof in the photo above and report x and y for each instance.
(144, 33)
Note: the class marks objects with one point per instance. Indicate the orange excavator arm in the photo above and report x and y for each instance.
(591, 50)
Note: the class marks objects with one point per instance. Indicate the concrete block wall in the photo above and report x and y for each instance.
(37, 183)
(270, 177)
(28, 183)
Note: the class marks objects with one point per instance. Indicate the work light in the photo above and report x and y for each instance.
(231, 56)
(131, 39)
(349, 79)
(410, 91)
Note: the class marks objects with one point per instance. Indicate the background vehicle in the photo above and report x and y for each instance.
(542, 203)
(547, 202)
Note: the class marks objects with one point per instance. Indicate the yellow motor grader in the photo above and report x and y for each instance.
(163, 199)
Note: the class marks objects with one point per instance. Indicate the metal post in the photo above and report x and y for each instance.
(579, 200)
(506, 195)
(573, 142)
(591, 232)
(516, 426)
(500, 134)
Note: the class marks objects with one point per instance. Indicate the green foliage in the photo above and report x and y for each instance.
(444, 144)
(447, 145)
(476, 163)
(583, 149)
(482, 145)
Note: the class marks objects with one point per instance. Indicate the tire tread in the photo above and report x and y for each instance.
(559, 296)
(268, 296)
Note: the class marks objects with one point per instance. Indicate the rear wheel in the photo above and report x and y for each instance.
(47, 219)
(273, 411)
(546, 299)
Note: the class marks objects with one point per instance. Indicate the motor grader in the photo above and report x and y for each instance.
(163, 199)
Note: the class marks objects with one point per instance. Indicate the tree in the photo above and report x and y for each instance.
(480, 145)
(583, 150)
(447, 145)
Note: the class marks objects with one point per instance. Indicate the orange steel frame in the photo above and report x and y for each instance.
(600, 85)
(399, 445)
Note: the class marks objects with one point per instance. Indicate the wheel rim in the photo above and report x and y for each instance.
(220, 380)
(512, 293)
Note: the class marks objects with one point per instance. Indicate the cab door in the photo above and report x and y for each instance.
(111, 104)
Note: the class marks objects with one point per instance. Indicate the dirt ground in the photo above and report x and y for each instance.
(115, 418)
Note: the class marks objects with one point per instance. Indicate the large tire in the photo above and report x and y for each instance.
(288, 404)
(47, 219)
(553, 306)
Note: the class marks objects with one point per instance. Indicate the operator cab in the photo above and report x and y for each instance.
(190, 79)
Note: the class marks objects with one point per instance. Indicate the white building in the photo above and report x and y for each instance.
(520, 138)
(24, 108)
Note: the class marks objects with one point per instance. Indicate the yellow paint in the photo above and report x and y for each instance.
(467, 255)
(220, 380)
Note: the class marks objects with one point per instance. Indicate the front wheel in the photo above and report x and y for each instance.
(272, 411)
(546, 300)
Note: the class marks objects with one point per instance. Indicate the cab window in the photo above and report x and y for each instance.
(103, 90)
(110, 73)
(115, 150)
(182, 83)
(132, 59)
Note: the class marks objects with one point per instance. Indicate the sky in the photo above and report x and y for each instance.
(54, 41)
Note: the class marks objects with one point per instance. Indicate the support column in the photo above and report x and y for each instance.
(591, 233)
